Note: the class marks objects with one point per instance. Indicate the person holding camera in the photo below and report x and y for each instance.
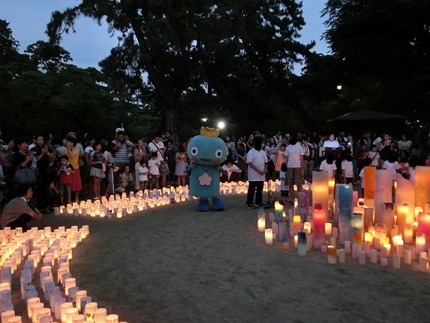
(122, 147)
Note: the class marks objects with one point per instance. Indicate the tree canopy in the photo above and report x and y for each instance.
(188, 59)
(380, 56)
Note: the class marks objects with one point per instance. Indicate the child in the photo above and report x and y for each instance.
(65, 180)
(142, 172)
(154, 170)
(366, 162)
(347, 170)
(374, 156)
(284, 187)
(403, 168)
(412, 164)
(98, 168)
(329, 165)
(391, 165)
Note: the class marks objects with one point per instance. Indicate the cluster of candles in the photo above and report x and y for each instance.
(38, 254)
(120, 205)
(373, 227)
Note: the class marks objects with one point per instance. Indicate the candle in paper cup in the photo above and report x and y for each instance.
(35, 308)
(384, 262)
(261, 223)
(328, 228)
(307, 227)
(332, 241)
(423, 264)
(70, 314)
(366, 247)
(89, 310)
(15, 319)
(420, 243)
(297, 223)
(78, 318)
(6, 315)
(362, 257)
(30, 303)
(335, 233)
(341, 255)
(347, 246)
(296, 241)
(396, 261)
(70, 282)
(373, 256)
(63, 308)
(112, 318)
(408, 233)
(407, 256)
(331, 254)
(268, 236)
(100, 315)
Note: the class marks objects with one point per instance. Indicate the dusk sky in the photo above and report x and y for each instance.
(91, 43)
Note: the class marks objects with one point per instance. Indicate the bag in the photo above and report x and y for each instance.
(25, 176)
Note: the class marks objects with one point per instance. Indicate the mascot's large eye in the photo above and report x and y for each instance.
(218, 153)
(194, 151)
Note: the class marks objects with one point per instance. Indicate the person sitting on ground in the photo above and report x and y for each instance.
(230, 172)
(19, 211)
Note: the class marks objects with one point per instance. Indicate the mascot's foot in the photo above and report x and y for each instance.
(218, 204)
(203, 205)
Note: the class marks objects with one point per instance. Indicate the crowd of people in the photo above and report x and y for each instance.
(76, 169)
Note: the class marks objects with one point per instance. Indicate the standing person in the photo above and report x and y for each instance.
(230, 146)
(87, 182)
(98, 167)
(73, 153)
(295, 166)
(43, 156)
(329, 165)
(65, 179)
(239, 155)
(280, 157)
(139, 154)
(170, 162)
(81, 157)
(154, 171)
(122, 146)
(270, 149)
(157, 146)
(256, 159)
(109, 156)
(308, 160)
(142, 174)
(347, 170)
(19, 211)
(181, 166)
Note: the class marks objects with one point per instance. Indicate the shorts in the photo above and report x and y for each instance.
(294, 177)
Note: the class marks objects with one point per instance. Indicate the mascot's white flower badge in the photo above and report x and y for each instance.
(206, 152)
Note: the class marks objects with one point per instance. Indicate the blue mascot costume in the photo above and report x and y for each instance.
(206, 152)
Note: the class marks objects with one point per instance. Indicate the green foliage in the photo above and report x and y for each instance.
(381, 55)
(179, 58)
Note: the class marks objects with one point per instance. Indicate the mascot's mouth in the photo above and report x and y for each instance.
(205, 159)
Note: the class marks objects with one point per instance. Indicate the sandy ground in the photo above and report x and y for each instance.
(173, 264)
